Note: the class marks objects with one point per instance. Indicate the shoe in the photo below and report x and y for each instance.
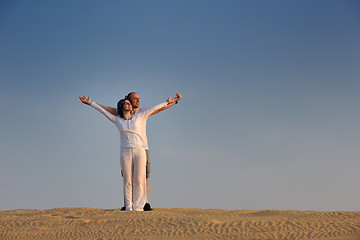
(147, 207)
(123, 208)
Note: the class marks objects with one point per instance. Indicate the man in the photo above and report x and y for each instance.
(134, 98)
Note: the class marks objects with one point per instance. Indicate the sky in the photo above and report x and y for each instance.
(269, 117)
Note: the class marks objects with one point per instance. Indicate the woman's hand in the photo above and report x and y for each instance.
(85, 100)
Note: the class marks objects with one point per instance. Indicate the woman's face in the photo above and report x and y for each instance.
(127, 106)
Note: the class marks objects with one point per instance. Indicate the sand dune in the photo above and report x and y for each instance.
(178, 223)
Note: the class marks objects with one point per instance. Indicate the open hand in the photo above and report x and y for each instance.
(170, 100)
(85, 100)
(178, 97)
(175, 99)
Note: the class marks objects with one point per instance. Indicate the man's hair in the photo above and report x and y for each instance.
(128, 96)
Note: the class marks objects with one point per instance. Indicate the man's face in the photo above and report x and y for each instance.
(135, 100)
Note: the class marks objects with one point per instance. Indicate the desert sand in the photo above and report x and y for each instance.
(177, 223)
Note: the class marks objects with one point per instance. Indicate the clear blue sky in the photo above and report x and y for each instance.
(269, 118)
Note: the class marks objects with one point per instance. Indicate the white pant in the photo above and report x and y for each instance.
(133, 166)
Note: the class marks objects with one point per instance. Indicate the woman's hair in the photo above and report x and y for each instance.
(120, 106)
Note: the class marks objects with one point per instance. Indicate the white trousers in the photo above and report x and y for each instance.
(133, 166)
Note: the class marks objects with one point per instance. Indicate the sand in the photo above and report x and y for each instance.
(177, 223)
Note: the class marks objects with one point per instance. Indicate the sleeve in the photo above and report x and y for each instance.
(103, 111)
(149, 111)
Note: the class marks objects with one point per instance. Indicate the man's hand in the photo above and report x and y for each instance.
(175, 99)
(178, 97)
(170, 100)
(85, 100)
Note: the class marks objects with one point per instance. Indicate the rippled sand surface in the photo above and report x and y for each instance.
(177, 223)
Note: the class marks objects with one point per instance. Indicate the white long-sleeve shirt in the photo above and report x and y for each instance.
(133, 131)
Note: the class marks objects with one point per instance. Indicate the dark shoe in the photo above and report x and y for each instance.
(123, 208)
(147, 207)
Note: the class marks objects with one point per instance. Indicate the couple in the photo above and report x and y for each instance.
(134, 156)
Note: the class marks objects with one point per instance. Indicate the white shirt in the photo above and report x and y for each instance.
(143, 128)
(133, 131)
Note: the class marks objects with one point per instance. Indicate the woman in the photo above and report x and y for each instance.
(132, 155)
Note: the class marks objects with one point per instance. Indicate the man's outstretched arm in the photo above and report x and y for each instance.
(109, 109)
(177, 99)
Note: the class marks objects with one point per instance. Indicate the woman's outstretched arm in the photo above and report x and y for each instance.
(88, 102)
(107, 114)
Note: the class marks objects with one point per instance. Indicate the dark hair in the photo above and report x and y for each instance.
(120, 106)
(128, 96)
